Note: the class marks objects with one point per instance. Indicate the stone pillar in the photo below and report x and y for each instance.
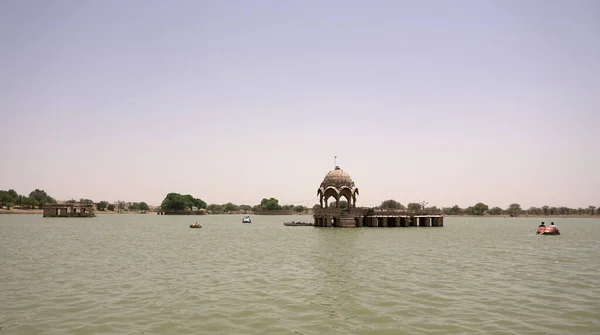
(384, 222)
(375, 222)
(413, 221)
(425, 222)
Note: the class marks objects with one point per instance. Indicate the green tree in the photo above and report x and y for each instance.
(245, 207)
(101, 206)
(229, 207)
(414, 207)
(144, 206)
(215, 208)
(28, 203)
(299, 209)
(111, 207)
(454, 210)
(41, 197)
(85, 201)
(495, 211)
(391, 204)
(433, 210)
(479, 208)
(174, 202)
(270, 204)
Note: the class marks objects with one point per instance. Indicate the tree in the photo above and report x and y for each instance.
(514, 209)
(534, 211)
(175, 202)
(28, 203)
(545, 210)
(455, 210)
(432, 210)
(414, 207)
(229, 207)
(110, 207)
(215, 208)
(139, 206)
(101, 206)
(480, 208)
(494, 211)
(391, 204)
(245, 208)
(41, 197)
(591, 210)
(299, 209)
(270, 204)
(85, 201)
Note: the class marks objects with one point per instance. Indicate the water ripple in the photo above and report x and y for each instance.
(136, 274)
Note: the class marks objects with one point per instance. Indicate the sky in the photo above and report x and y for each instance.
(449, 102)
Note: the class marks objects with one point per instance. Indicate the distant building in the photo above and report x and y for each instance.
(69, 210)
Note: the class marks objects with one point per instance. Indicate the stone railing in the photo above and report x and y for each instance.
(328, 211)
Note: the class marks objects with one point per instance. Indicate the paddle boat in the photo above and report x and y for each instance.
(196, 225)
(246, 219)
(550, 230)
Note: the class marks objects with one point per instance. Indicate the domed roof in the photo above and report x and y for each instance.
(337, 178)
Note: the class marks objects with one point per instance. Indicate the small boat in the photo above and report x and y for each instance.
(298, 224)
(246, 219)
(196, 225)
(548, 231)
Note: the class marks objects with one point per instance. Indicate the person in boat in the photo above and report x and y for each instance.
(541, 228)
(553, 226)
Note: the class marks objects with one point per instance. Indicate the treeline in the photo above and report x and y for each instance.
(179, 202)
(35, 199)
(121, 206)
(483, 209)
(38, 198)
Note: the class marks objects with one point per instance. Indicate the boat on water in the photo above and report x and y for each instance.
(548, 231)
(196, 225)
(246, 219)
(297, 224)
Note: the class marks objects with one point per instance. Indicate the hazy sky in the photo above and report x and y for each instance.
(450, 102)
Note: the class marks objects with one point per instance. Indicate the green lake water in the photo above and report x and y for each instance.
(150, 274)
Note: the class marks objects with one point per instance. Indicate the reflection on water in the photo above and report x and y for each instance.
(140, 274)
